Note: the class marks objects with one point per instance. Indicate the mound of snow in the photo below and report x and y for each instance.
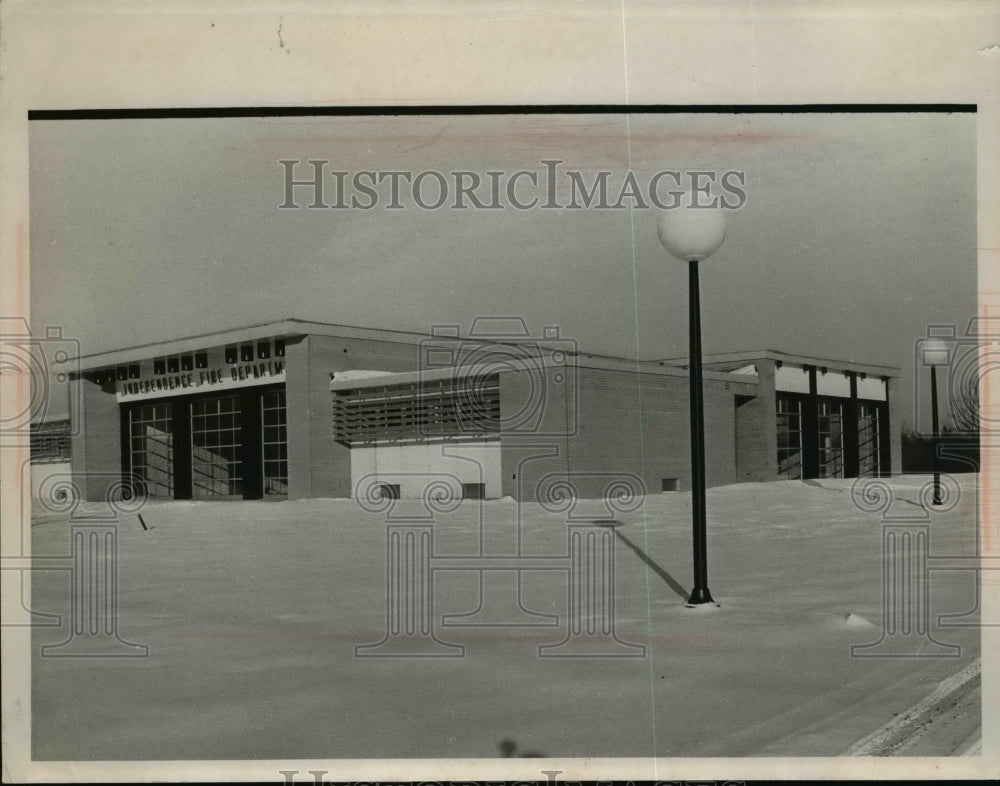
(853, 621)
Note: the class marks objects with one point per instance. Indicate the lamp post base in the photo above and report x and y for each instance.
(699, 596)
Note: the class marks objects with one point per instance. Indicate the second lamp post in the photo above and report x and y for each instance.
(935, 352)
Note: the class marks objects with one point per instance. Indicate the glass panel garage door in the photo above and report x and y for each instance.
(831, 439)
(216, 447)
(789, 438)
(151, 449)
(274, 439)
(869, 459)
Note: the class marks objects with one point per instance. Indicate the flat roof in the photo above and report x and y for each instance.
(288, 328)
(740, 359)
(596, 362)
(285, 328)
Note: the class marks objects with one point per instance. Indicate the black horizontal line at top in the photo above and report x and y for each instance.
(163, 113)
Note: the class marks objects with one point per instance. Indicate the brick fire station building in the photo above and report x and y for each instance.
(295, 409)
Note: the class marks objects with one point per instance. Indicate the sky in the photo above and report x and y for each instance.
(856, 231)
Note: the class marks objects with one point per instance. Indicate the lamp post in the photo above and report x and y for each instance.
(692, 235)
(935, 353)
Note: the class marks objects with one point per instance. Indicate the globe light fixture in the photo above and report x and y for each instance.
(935, 352)
(692, 235)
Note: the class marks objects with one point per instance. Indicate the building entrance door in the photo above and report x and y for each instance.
(870, 437)
(789, 437)
(209, 447)
(831, 439)
(217, 447)
(151, 448)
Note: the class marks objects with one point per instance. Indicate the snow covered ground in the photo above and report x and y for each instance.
(251, 612)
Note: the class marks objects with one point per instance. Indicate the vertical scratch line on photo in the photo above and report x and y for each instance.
(638, 378)
(625, 59)
(753, 47)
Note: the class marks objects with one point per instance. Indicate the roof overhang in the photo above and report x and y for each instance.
(530, 365)
(724, 360)
(286, 328)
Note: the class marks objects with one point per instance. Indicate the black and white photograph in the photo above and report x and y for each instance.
(381, 436)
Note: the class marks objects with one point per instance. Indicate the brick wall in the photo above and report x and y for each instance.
(749, 439)
(533, 429)
(628, 425)
(895, 427)
(297, 417)
(323, 465)
(766, 391)
(96, 456)
(632, 424)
